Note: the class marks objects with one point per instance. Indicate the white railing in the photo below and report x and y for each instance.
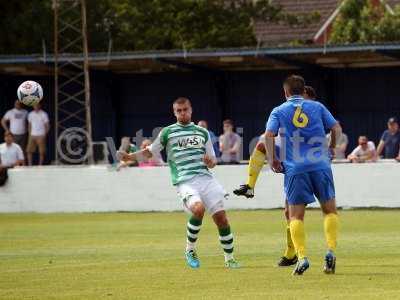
(97, 188)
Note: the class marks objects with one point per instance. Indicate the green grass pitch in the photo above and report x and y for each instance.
(140, 256)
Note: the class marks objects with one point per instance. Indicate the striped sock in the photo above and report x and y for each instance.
(193, 228)
(226, 239)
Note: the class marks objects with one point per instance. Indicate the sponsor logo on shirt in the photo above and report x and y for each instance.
(190, 142)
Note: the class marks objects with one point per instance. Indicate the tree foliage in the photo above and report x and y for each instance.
(363, 21)
(24, 25)
(144, 24)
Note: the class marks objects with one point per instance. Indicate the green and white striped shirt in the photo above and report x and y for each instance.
(186, 146)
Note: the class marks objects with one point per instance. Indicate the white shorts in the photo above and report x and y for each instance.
(204, 189)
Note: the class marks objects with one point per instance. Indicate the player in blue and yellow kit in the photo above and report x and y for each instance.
(256, 163)
(305, 161)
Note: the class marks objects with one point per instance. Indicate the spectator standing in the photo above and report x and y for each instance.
(38, 124)
(341, 145)
(214, 139)
(390, 140)
(229, 144)
(16, 119)
(364, 152)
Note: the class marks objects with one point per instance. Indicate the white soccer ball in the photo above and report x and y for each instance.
(30, 93)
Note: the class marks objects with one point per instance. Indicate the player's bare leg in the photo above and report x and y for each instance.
(296, 214)
(193, 229)
(225, 238)
(331, 224)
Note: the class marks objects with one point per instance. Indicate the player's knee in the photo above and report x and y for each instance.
(329, 207)
(220, 219)
(198, 210)
(329, 210)
(261, 147)
(296, 212)
(296, 215)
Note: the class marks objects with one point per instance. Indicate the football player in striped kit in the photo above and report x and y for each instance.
(190, 155)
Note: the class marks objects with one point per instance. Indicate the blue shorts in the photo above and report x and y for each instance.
(301, 188)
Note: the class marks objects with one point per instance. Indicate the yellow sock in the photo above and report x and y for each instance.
(256, 163)
(331, 224)
(290, 252)
(298, 237)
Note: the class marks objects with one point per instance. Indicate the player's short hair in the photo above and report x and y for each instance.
(182, 100)
(228, 122)
(294, 85)
(309, 90)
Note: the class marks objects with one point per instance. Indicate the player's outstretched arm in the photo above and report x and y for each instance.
(138, 155)
(146, 153)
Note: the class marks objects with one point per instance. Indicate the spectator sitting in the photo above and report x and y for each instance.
(229, 144)
(11, 154)
(155, 160)
(364, 152)
(17, 124)
(341, 145)
(38, 130)
(390, 140)
(214, 139)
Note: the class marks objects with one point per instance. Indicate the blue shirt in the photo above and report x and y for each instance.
(392, 144)
(302, 125)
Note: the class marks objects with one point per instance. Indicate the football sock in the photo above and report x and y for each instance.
(290, 252)
(331, 224)
(256, 164)
(226, 240)
(193, 229)
(298, 237)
